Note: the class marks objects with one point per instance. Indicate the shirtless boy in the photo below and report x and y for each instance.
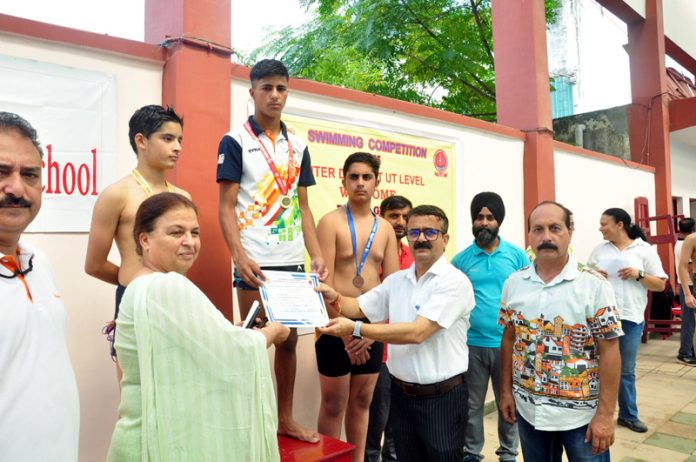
(155, 136)
(264, 213)
(688, 253)
(355, 244)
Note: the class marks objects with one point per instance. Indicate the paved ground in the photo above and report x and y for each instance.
(666, 403)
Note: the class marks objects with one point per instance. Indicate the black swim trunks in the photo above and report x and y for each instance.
(333, 361)
(110, 329)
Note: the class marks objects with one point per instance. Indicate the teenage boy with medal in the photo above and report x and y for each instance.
(355, 243)
(263, 173)
(155, 135)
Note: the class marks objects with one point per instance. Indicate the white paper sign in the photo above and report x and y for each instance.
(74, 113)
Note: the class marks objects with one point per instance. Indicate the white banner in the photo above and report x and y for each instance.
(74, 112)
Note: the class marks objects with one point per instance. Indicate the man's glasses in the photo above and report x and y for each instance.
(17, 272)
(429, 233)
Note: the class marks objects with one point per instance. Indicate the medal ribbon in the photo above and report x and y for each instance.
(284, 186)
(368, 245)
(143, 183)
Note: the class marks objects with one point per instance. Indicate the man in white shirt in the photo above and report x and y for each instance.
(428, 308)
(686, 350)
(560, 342)
(39, 406)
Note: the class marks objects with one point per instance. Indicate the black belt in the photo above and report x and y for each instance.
(432, 389)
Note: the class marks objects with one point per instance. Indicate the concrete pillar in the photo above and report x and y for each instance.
(196, 81)
(648, 115)
(523, 91)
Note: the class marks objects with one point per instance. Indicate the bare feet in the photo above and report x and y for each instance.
(294, 430)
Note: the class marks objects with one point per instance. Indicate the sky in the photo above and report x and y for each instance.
(252, 20)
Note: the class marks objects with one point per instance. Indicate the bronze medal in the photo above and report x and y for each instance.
(285, 201)
(358, 281)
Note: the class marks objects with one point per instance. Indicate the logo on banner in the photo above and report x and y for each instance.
(440, 162)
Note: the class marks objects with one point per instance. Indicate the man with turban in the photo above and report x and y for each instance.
(487, 262)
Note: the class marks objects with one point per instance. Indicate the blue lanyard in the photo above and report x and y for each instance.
(353, 239)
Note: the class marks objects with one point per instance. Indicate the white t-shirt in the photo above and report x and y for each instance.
(270, 234)
(631, 295)
(443, 295)
(39, 404)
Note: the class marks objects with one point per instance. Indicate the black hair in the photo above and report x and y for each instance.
(394, 203)
(687, 225)
(148, 119)
(430, 210)
(621, 216)
(268, 68)
(154, 207)
(363, 158)
(567, 213)
(12, 121)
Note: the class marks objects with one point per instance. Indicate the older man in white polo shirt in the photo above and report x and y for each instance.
(428, 307)
(39, 410)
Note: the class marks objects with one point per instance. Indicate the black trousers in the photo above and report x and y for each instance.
(379, 422)
(429, 428)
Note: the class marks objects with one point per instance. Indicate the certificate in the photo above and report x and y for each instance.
(290, 299)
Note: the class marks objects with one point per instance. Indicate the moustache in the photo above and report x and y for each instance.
(547, 246)
(13, 201)
(422, 245)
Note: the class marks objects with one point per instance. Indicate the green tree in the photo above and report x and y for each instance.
(433, 52)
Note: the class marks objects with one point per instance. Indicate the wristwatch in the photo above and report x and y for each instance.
(356, 330)
(641, 275)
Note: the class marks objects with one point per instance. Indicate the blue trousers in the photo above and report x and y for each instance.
(548, 446)
(629, 344)
(686, 334)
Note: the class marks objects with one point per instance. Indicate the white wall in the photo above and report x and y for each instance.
(639, 5)
(90, 303)
(589, 186)
(683, 162)
(679, 17)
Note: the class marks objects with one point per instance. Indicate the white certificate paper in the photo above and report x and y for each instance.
(290, 299)
(612, 265)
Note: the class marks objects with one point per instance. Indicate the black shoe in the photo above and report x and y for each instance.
(687, 360)
(634, 425)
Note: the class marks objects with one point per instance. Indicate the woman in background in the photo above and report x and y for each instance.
(633, 267)
(194, 386)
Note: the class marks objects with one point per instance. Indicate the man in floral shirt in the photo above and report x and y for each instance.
(560, 341)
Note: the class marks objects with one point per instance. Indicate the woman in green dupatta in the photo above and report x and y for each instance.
(194, 387)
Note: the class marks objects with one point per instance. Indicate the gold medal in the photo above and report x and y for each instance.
(285, 201)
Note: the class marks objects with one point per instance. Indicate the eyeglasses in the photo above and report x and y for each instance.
(429, 233)
(17, 272)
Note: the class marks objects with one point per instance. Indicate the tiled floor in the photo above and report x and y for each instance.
(666, 403)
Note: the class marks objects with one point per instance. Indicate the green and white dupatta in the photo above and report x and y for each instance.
(207, 392)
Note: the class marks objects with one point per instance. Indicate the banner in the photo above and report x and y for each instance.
(420, 169)
(74, 113)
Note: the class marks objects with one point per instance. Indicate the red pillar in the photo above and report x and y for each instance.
(522, 90)
(196, 81)
(648, 115)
